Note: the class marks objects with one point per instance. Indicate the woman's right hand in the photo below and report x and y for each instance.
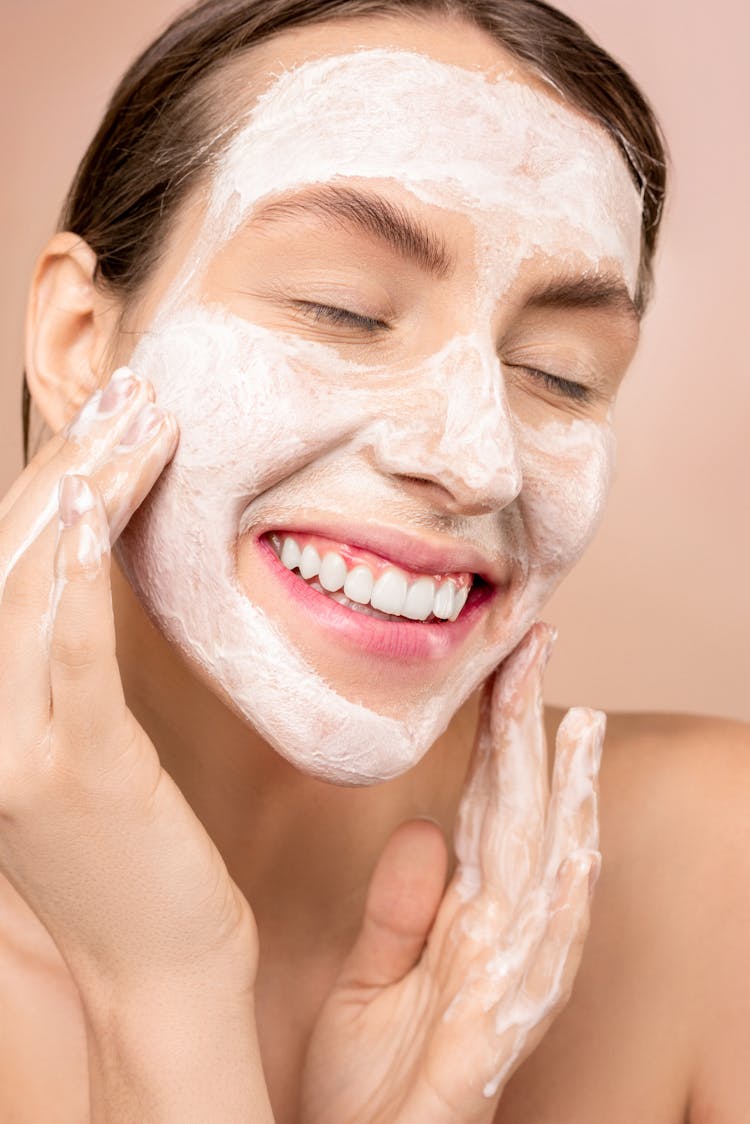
(94, 834)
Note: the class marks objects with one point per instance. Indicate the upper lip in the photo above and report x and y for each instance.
(432, 554)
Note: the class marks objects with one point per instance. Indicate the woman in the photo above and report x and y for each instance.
(368, 276)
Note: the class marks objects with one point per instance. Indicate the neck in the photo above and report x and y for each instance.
(301, 850)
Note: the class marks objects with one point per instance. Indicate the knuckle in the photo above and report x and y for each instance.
(75, 652)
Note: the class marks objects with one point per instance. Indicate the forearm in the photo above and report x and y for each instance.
(175, 1063)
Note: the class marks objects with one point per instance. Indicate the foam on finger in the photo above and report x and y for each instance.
(546, 977)
(84, 679)
(519, 795)
(573, 809)
(552, 964)
(80, 448)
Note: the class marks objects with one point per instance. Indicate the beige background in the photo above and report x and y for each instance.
(657, 615)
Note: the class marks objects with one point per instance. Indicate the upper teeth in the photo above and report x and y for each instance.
(391, 593)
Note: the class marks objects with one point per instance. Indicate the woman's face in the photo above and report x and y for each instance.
(392, 340)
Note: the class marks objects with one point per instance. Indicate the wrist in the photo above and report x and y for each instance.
(171, 1057)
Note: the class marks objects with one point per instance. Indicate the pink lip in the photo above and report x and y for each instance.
(430, 554)
(407, 640)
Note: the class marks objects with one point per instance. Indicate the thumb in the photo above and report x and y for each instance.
(405, 891)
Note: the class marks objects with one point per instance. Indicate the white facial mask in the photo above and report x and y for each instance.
(270, 421)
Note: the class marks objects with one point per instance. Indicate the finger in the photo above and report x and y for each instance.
(50, 449)
(500, 828)
(555, 961)
(573, 822)
(86, 691)
(514, 837)
(467, 830)
(404, 894)
(85, 442)
(124, 479)
(507, 948)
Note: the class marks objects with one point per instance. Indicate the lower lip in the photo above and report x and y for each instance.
(407, 640)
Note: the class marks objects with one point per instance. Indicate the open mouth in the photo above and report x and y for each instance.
(369, 584)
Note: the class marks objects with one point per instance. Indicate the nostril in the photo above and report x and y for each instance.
(424, 480)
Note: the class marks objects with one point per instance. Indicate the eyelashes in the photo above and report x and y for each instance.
(330, 314)
(333, 315)
(574, 390)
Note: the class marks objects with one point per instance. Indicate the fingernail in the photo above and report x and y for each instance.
(75, 498)
(595, 870)
(141, 430)
(103, 403)
(120, 388)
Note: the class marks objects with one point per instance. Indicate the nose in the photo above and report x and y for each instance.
(454, 430)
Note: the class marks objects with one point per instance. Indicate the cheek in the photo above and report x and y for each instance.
(251, 407)
(566, 476)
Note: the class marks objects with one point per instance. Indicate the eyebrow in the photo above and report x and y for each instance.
(368, 213)
(596, 292)
(373, 214)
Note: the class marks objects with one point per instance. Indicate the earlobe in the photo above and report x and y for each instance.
(69, 326)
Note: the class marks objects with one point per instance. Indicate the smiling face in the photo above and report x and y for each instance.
(392, 345)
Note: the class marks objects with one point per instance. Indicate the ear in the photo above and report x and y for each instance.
(70, 326)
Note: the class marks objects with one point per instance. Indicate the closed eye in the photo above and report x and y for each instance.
(559, 385)
(333, 315)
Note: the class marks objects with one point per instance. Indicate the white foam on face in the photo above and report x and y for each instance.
(531, 174)
(271, 423)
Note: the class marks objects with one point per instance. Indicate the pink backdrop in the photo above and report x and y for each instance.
(657, 615)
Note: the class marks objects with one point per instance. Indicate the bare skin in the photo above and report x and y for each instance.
(256, 809)
(656, 1025)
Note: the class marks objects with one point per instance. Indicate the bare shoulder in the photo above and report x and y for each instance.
(680, 772)
(675, 837)
(634, 739)
(697, 738)
(679, 765)
(678, 785)
(675, 790)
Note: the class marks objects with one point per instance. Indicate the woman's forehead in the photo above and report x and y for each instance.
(530, 172)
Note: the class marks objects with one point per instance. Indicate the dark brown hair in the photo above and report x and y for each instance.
(163, 130)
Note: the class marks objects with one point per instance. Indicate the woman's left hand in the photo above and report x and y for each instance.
(440, 1001)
